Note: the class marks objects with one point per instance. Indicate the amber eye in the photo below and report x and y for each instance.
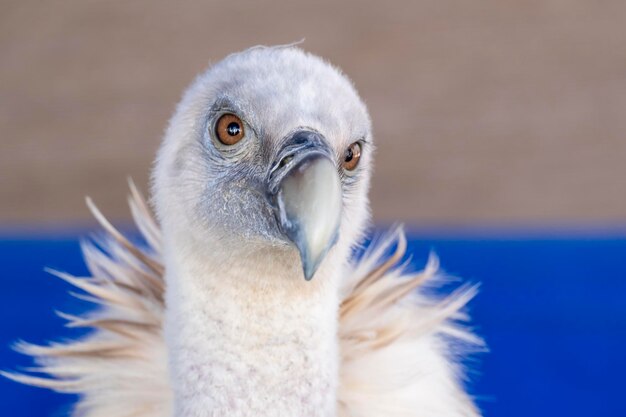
(229, 129)
(351, 156)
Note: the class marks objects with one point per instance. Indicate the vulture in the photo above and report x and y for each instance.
(253, 291)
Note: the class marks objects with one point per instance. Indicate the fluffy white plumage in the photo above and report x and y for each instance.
(212, 316)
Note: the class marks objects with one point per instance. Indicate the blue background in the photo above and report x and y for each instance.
(551, 307)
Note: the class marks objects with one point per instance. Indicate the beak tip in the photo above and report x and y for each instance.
(308, 274)
(309, 265)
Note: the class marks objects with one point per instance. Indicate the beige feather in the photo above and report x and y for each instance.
(388, 331)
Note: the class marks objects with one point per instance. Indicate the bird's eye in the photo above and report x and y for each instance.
(229, 129)
(352, 156)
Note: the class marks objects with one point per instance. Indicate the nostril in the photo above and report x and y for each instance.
(285, 161)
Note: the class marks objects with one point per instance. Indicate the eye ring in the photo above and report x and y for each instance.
(352, 156)
(229, 129)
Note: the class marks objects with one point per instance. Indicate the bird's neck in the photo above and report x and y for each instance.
(250, 337)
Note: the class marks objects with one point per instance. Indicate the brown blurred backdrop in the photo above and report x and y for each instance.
(489, 112)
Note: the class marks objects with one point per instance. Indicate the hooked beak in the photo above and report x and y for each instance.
(306, 193)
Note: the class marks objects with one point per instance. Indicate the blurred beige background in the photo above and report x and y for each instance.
(488, 112)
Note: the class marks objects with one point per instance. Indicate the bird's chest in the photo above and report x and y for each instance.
(279, 379)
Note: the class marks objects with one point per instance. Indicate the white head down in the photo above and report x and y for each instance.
(268, 156)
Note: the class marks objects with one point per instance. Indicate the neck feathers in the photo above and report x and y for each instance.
(247, 340)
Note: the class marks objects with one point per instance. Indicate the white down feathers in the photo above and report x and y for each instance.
(399, 348)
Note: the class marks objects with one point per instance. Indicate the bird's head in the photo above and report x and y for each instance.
(268, 153)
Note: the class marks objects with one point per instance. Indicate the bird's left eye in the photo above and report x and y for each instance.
(229, 129)
(352, 156)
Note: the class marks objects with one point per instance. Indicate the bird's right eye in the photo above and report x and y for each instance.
(229, 129)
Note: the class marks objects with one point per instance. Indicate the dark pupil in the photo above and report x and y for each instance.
(349, 155)
(233, 129)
